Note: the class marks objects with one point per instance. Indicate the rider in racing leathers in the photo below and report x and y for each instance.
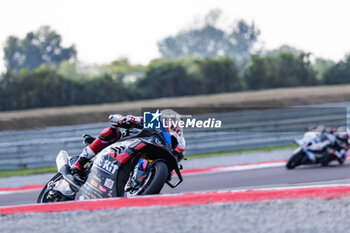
(106, 138)
(338, 141)
(341, 145)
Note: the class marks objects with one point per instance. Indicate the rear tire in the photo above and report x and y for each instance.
(295, 160)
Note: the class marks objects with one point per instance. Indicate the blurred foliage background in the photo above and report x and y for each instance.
(201, 59)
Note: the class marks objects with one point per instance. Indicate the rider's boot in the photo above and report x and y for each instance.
(78, 166)
(84, 157)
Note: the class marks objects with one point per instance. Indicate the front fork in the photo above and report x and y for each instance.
(139, 174)
(141, 170)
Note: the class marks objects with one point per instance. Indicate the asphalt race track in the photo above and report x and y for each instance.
(229, 180)
(264, 178)
(235, 172)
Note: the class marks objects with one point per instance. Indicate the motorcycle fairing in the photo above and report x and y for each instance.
(312, 145)
(104, 170)
(108, 163)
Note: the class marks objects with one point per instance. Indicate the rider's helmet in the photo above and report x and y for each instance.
(332, 130)
(172, 130)
(343, 133)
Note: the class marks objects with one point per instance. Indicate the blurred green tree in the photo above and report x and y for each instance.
(339, 73)
(69, 70)
(218, 75)
(284, 49)
(210, 40)
(122, 69)
(44, 87)
(104, 89)
(42, 47)
(321, 66)
(282, 70)
(39, 88)
(166, 78)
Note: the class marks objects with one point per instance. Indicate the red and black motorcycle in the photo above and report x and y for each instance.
(140, 163)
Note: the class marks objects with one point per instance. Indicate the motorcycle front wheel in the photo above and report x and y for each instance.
(154, 181)
(295, 160)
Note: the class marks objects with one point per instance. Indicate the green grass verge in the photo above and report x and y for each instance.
(32, 171)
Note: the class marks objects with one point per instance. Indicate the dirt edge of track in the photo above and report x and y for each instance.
(274, 98)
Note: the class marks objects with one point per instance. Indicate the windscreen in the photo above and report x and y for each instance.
(172, 127)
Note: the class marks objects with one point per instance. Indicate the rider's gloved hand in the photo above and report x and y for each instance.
(114, 119)
(128, 121)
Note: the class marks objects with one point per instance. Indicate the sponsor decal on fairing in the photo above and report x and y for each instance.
(94, 183)
(109, 183)
(106, 165)
(101, 188)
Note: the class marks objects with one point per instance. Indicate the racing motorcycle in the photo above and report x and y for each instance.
(143, 158)
(317, 148)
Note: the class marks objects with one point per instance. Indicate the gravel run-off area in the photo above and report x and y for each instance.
(287, 216)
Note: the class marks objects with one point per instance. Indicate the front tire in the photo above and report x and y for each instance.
(154, 182)
(159, 179)
(295, 160)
